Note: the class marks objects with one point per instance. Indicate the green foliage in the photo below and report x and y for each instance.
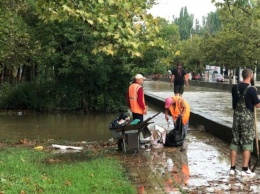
(211, 24)
(190, 54)
(65, 94)
(229, 37)
(116, 25)
(185, 23)
(156, 60)
(237, 44)
(15, 37)
(88, 51)
(30, 96)
(66, 49)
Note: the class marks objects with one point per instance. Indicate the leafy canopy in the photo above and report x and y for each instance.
(117, 24)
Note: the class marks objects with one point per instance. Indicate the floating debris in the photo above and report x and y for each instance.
(63, 147)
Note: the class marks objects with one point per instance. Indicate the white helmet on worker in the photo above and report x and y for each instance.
(139, 76)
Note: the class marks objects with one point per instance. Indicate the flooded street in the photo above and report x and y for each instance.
(55, 126)
(208, 102)
(213, 104)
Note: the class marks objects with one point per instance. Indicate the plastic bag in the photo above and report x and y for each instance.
(119, 121)
(158, 136)
(176, 136)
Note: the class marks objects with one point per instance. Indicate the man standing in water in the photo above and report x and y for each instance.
(244, 99)
(135, 98)
(177, 78)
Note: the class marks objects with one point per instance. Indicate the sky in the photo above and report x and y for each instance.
(168, 8)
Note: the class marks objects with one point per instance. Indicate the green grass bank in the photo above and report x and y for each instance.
(25, 170)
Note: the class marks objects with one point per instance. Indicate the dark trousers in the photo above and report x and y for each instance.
(138, 116)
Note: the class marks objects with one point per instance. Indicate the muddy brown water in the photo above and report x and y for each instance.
(56, 126)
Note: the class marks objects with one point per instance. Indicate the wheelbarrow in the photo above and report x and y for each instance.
(128, 134)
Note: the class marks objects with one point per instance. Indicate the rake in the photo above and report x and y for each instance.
(256, 134)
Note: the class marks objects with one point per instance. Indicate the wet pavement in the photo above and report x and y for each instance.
(201, 165)
(201, 168)
(210, 103)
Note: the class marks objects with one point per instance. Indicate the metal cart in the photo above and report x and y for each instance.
(129, 135)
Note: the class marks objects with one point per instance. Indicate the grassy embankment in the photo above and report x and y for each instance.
(25, 170)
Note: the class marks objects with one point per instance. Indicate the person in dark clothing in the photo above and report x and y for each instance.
(244, 101)
(178, 78)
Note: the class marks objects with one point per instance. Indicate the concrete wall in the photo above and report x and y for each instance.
(221, 86)
(215, 127)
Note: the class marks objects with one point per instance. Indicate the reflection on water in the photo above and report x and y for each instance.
(56, 126)
(202, 167)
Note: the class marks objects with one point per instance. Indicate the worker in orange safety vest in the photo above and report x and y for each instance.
(177, 106)
(135, 98)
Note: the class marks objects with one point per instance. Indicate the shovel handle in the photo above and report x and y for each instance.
(256, 135)
(256, 141)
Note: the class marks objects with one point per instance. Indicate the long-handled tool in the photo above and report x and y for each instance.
(256, 141)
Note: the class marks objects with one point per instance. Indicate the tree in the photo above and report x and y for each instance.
(185, 23)
(15, 39)
(117, 25)
(211, 24)
(241, 21)
(157, 59)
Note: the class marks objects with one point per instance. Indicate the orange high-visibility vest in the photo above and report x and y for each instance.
(176, 109)
(132, 92)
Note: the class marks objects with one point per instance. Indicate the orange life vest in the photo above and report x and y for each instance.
(176, 109)
(132, 92)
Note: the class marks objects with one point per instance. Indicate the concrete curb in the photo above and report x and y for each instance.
(221, 86)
